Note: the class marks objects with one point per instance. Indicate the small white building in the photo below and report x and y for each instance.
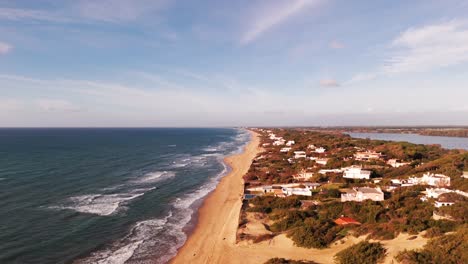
(325, 171)
(299, 155)
(297, 191)
(440, 204)
(396, 163)
(356, 172)
(263, 189)
(311, 146)
(303, 176)
(278, 142)
(285, 149)
(436, 192)
(322, 161)
(290, 143)
(436, 180)
(465, 175)
(320, 150)
(363, 193)
(367, 155)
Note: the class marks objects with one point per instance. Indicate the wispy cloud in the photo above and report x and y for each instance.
(16, 14)
(336, 45)
(274, 14)
(429, 47)
(422, 49)
(329, 83)
(5, 48)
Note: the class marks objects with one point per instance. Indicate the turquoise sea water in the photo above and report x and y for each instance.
(105, 195)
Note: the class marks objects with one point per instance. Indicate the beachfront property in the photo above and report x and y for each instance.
(285, 149)
(290, 143)
(356, 172)
(344, 221)
(437, 180)
(396, 163)
(303, 176)
(320, 150)
(362, 193)
(299, 155)
(367, 155)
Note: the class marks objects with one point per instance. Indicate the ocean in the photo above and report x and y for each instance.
(105, 195)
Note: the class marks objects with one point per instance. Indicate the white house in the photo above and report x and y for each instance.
(465, 175)
(263, 189)
(440, 204)
(312, 185)
(367, 155)
(285, 149)
(436, 192)
(320, 150)
(325, 171)
(290, 143)
(322, 161)
(437, 180)
(311, 146)
(297, 191)
(363, 193)
(299, 154)
(356, 172)
(303, 176)
(396, 163)
(278, 142)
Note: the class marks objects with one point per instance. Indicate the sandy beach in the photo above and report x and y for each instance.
(214, 238)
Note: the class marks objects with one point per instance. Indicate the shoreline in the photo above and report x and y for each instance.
(219, 213)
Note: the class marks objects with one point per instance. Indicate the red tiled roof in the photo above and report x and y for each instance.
(346, 221)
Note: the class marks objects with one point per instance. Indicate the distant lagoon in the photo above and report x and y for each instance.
(445, 142)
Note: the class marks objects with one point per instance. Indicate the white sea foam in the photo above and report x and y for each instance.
(153, 177)
(135, 243)
(99, 204)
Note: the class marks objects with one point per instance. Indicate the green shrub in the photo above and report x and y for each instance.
(363, 253)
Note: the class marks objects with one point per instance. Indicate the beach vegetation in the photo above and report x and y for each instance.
(364, 252)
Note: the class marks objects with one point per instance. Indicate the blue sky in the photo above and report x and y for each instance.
(233, 63)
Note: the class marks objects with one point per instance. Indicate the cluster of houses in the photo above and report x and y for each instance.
(439, 182)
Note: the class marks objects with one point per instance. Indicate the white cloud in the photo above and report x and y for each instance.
(336, 45)
(329, 83)
(422, 49)
(5, 48)
(429, 47)
(272, 15)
